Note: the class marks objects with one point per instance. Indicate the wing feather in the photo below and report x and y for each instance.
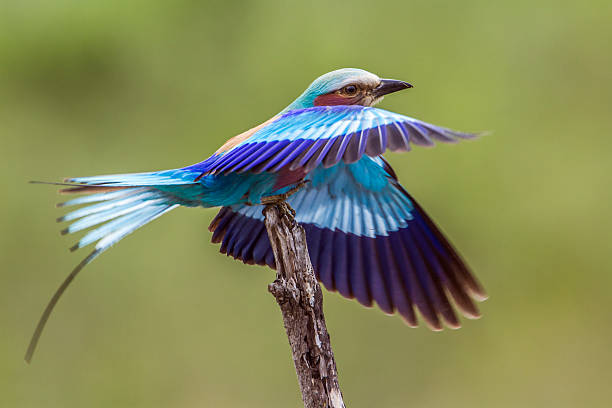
(367, 240)
(323, 134)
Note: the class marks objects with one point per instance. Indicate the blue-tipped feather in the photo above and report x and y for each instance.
(92, 198)
(108, 205)
(156, 178)
(111, 226)
(114, 235)
(140, 199)
(148, 215)
(103, 216)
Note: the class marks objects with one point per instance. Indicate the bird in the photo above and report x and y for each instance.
(367, 237)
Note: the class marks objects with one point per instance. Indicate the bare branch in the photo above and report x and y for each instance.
(301, 301)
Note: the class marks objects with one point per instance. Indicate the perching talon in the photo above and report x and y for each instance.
(279, 198)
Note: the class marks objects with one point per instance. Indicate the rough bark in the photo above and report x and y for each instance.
(301, 302)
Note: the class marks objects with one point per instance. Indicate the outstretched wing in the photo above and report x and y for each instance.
(367, 239)
(304, 138)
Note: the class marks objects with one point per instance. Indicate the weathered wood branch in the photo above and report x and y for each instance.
(301, 302)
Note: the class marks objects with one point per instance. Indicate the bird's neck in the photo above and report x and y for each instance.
(305, 100)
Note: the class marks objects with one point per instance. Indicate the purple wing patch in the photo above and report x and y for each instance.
(305, 138)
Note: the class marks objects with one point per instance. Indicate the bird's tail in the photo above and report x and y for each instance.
(115, 206)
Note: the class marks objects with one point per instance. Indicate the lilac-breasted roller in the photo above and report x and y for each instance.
(367, 237)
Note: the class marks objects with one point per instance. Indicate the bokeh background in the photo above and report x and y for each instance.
(163, 320)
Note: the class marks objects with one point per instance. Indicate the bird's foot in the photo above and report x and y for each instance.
(279, 201)
(274, 199)
(287, 213)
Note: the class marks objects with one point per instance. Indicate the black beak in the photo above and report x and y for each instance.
(388, 86)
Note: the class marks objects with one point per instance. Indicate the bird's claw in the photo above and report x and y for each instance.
(277, 198)
(279, 201)
(286, 213)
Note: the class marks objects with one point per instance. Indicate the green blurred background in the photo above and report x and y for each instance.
(163, 320)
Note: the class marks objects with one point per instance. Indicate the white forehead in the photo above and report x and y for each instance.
(341, 77)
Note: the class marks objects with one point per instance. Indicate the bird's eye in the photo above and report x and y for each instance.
(349, 90)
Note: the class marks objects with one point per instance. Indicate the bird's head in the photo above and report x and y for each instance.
(347, 86)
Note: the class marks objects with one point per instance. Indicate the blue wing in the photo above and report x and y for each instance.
(367, 239)
(304, 138)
